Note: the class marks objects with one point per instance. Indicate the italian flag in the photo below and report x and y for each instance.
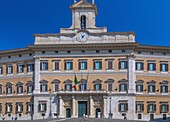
(75, 82)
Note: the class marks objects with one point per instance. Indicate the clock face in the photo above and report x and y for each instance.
(82, 37)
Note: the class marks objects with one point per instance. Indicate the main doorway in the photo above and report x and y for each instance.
(82, 108)
(68, 113)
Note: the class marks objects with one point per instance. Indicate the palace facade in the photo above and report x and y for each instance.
(117, 76)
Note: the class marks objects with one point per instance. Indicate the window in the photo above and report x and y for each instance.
(30, 88)
(123, 107)
(123, 65)
(56, 51)
(109, 64)
(30, 67)
(0, 89)
(139, 87)
(123, 51)
(9, 88)
(68, 87)
(20, 68)
(97, 86)
(1, 70)
(83, 65)
(164, 53)
(110, 51)
(151, 88)
(56, 65)
(44, 66)
(139, 52)
(19, 107)
(123, 87)
(97, 51)
(56, 87)
(83, 86)
(20, 55)
(164, 88)
(44, 87)
(42, 107)
(9, 69)
(19, 89)
(110, 86)
(68, 51)
(164, 67)
(43, 52)
(139, 107)
(164, 107)
(139, 116)
(139, 66)
(68, 65)
(8, 107)
(151, 107)
(83, 51)
(83, 22)
(151, 53)
(29, 107)
(97, 65)
(151, 66)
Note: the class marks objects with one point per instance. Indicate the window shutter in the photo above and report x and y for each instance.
(142, 87)
(148, 88)
(100, 64)
(27, 107)
(27, 67)
(167, 108)
(160, 108)
(21, 107)
(45, 106)
(109, 87)
(41, 87)
(94, 66)
(160, 67)
(6, 108)
(126, 62)
(80, 66)
(94, 86)
(46, 87)
(11, 108)
(65, 66)
(2, 70)
(148, 108)
(119, 107)
(120, 88)
(119, 64)
(41, 66)
(39, 107)
(71, 65)
(142, 66)
(136, 66)
(17, 89)
(6, 69)
(47, 65)
(161, 89)
(126, 106)
(154, 88)
(11, 69)
(33, 67)
(154, 66)
(166, 88)
(27, 88)
(136, 108)
(148, 67)
(166, 67)
(56, 87)
(136, 87)
(142, 107)
(86, 65)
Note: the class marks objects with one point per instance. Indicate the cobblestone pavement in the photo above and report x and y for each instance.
(76, 120)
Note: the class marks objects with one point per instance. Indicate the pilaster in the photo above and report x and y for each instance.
(131, 73)
(61, 105)
(37, 75)
(73, 107)
(91, 107)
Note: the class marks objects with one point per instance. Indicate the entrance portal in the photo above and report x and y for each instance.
(98, 113)
(68, 113)
(82, 108)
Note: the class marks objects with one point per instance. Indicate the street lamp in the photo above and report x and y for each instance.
(110, 112)
(50, 113)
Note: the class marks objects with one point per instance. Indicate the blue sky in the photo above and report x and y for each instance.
(20, 19)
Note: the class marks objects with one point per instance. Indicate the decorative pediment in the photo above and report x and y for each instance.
(97, 81)
(19, 84)
(109, 80)
(123, 80)
(43, 81)
(9, 84)
(83, 81)
(56, 81)
(68, 81)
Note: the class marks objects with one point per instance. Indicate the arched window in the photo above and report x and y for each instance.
(83, 22)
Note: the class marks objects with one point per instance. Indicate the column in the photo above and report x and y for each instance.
(61, 105)
(37, 75)
(91, 107)
(131, 73)
(73, 107)
(105, 107)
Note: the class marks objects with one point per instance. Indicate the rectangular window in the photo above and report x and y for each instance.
(83, 65)
(42, 107)
(123, 87)
(0, 107)
(97, 65)
(69, 65)
(43, 87)
(109, 64)
(139, 88)
(110, 85)
(29, 107)
(123, 65)
(0, 89)
(164, 108)
(151, 88)
(164, 67)
(97, 87)
(9, 108)
(139, 66)
(19, 108)
(84, 86)
(44, 66)
(164, 89)
(20, 68)
(123, 107)
(151, 66)
(1, 70)
(68, 87)
(56, 87)
(9, 90)
(30, 67)
(139, 116)
(151, 108)
(56, 65)
(9, 69)
(30, 88)
(19, 89)
(139, 107)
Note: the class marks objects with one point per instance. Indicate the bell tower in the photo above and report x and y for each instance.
(83, 16)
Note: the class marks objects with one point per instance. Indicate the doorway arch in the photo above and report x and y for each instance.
(97, 111)
(68, 112)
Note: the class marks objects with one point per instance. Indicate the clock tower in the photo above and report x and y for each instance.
(83, 17)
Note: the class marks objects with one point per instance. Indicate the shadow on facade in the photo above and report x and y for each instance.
(161, 120)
